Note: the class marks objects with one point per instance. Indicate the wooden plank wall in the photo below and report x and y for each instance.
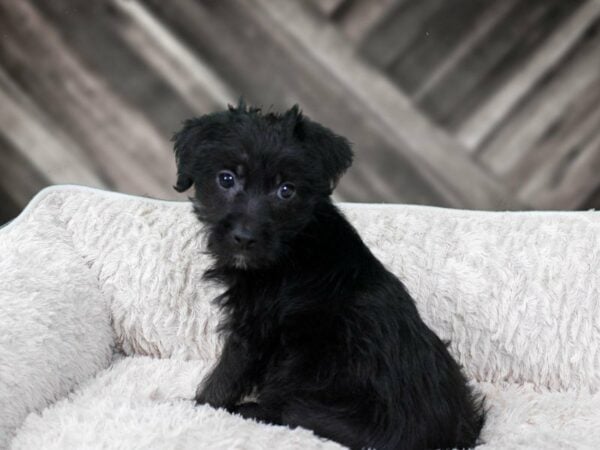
(489, 104)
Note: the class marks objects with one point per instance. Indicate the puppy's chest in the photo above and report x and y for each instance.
(269, 318)
(255, 313)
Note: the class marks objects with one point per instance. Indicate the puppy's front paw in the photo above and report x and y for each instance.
(214, 395)
(200, 399)
(203, 398)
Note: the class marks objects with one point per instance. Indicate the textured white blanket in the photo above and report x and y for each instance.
(86, 273)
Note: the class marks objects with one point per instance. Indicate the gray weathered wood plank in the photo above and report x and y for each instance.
(569, 171)
(126, 147)
(329, 7)
(517, 150)
(490, 63)
(257, 56)
(102, 85)
(591, 202)
(576, 180)
(40, 144)
(358, 19)
(92, 32)
(193, 79)
(488, 116)
(396, 30)
(436, 154)
(471, 31)
(19, 182)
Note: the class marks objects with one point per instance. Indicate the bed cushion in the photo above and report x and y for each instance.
(88, 276)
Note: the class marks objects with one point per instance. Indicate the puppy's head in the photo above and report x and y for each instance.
(258, 178)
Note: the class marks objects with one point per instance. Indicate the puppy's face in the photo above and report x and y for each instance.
(257, 178)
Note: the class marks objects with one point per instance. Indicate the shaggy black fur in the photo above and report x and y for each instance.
(315, 325)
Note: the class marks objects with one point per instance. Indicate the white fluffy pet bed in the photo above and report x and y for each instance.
(106, 326)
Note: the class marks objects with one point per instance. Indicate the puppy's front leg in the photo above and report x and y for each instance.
(227, 382)
(253, 410)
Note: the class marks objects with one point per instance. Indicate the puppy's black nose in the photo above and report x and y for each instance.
(243, 237)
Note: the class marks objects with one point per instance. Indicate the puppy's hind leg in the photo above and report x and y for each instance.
(325, 421)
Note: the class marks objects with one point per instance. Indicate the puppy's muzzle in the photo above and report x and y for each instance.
(243, 238)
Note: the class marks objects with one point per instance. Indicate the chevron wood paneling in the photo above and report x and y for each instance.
(489, 104)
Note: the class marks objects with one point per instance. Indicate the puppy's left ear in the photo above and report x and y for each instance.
(184, 155)
(194, 138)
(332, 152)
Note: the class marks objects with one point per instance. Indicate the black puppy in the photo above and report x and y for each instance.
(315, 326)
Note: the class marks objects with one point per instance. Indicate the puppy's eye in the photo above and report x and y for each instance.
(226, 179)
(286, 191)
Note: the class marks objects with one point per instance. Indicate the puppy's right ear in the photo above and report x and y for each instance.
(190, 143)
